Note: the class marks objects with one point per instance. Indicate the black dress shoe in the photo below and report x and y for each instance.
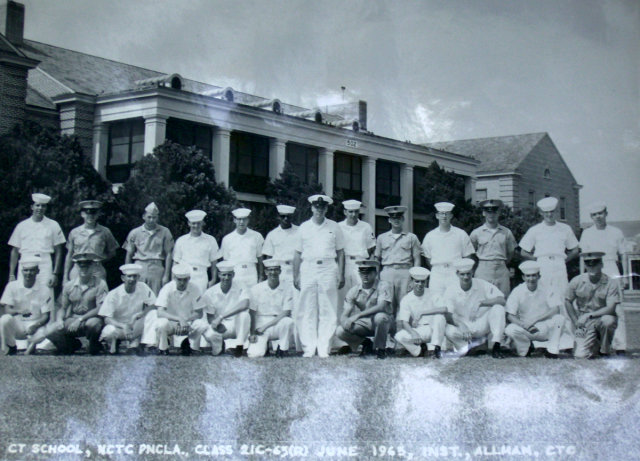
(531, 350)
(621, 353)
(437, 353)
(12, 350)
(344, 350)
(185, 347)
(496, 353)
(381, 354)
(367, 347)
(549, 355)
(237, 353)
(281, 354)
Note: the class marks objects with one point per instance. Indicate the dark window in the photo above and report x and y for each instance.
(420, 228)
(387, 184)
(190, 134)
(382, 225)
(126, 147)
(347, 175)
(547, 173)
(304, 161)
(563, 208)
(248, 162)
(532, 198)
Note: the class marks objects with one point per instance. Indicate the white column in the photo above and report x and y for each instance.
(325, 170)
(406, 190)
(470, 188)
(100, 147)
(155, 129)
(277, 156)
(221, 154)
(369, 190)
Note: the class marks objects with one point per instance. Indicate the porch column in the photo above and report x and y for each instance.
(369, 190)
(221, 154)
(155, 130)
(325, 170)
(277, 156)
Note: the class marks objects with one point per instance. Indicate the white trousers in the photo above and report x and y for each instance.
(431, 330)
(317, 315)
(237, 330)
(200, 277)
(111, 333)
(246, 275)
(12, 327)
(281, 331)
(491, 323)
(441, 277)
(553, 278)
(548, 330)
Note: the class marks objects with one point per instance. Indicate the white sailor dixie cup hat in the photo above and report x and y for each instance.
(285, 209)
(464, 264)
(240, 213)
(131, 269)
(444, 207)
(547, 204)
(225, 266)
(351, 204)
(269, 263)
(419, 273)
(41, 199)
(529, 268)
(195, 215)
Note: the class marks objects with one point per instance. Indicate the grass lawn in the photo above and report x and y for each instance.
(477, 407)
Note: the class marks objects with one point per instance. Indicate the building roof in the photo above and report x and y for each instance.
(497, 154)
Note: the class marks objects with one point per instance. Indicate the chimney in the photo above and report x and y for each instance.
(12, 21)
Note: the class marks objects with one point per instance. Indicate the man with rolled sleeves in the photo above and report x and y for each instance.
(367, 311)
(609, 239)
(80, 302)
(552, 244)
(124, 308)
(442, 247)
(243, 247)
(27, 307)
(477, 310)
(397, 251)
(198, 251)
(179, 307)
(226, 309)
(419, 320)
(270, 308)
(40, 237)
(150, 246)
(591, 300)
(359, 243)
(318, 272)
(533, 315)
(90, 237)
(495, 246)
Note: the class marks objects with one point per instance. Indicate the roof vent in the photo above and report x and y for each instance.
(223, 93)
(353, 124)
(168, 81)
(274, 104)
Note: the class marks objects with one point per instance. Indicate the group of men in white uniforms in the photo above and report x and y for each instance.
(334, 283)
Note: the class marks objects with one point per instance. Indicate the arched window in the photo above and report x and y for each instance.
(547, 173)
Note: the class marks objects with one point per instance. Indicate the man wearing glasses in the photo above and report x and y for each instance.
(442, 247)
(591, 301)
(495, 245)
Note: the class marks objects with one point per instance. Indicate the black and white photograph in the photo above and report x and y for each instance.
(335, 229)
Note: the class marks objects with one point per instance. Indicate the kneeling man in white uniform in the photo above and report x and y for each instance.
(477, 309)
(533, 315)
(419, 320)
(226, 306)
(124, 308)
(270, 308)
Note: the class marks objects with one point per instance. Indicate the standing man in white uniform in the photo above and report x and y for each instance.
(318, 272)
(27, 307)
(419, 320)
(442, 247)
(359, 243)
(124, 309)
(198, 251)
(609, 239)
(477, 309)
(532, 314)
(547, 243)
(226, 309)
(40, 237)
(270, 308)
(495, 246)
(150, 246)
(243, 247)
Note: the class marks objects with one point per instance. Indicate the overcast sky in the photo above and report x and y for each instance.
(429, 70)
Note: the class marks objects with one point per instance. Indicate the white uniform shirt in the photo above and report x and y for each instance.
(320, 241)
(179, 303)
(37, 237)
(198, 251)
(241, 249)
(463, 303)
(122, 306)
(526, 304)
(549, 240)
(610, 240)
(281, 243)
(413, 308)
(273, 302)
(30, 302)
(216, 302)
(357, 238)
(446, 247)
